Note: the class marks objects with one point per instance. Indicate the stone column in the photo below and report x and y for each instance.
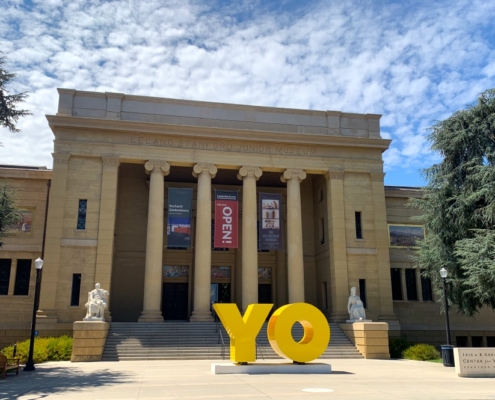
(106, 225)
(295, 258)
(249, 176)
(55, 224)
(154, 243)
(202, 268)
(339, 279)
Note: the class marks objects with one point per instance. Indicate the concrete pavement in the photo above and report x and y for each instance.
(351, 379)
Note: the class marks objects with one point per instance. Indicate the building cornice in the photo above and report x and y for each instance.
(193, 131)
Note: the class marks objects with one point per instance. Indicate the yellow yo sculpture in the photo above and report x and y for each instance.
(243, 330)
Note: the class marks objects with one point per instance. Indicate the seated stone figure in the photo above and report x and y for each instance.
(355, 307)
(97, 302)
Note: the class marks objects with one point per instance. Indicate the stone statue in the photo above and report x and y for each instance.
(97, 302)
(355, 307)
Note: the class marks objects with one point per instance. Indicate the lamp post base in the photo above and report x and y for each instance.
(29, 366)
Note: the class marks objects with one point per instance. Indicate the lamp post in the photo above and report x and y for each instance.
(447, 350)
(30, 363)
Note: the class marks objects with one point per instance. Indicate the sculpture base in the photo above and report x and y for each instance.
(351, 321)
(279, 368)
(94, 319)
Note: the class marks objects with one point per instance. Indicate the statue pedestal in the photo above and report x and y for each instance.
(370, 338)
(89, 340)
(271, 368)
(93, 319)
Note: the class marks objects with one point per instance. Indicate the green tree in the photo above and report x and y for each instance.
(458, 206)
(9, 213)
(9, 114)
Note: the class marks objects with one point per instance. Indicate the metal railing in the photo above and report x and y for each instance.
(220, 340)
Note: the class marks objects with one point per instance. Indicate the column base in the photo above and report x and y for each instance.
(151, 316)
(201, 316)
(46, 317)
(338, 317)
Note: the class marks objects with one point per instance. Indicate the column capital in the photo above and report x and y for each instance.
(60, 158)
(200, 168)
(249, 171)
(110, 161)
(334, 174)
(377, 176)
(290, 173)
(157, 165)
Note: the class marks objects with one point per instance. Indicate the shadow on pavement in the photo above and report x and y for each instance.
(47, 380)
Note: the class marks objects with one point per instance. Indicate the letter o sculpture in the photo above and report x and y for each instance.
(316, 332)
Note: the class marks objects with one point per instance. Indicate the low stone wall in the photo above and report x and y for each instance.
(89, 340)
(370, 338)
(15, 332)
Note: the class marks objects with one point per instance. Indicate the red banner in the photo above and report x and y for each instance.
(226, 219)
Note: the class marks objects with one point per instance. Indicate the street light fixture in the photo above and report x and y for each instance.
(30, 362)
(447, 350)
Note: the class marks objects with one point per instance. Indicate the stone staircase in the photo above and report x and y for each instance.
(199, 341)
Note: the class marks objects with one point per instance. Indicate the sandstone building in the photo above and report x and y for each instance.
(115, 157)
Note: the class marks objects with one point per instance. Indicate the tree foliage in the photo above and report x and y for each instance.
(458, 206)
(9, 113)
(9, 213)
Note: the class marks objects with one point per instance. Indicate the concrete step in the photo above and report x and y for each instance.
(185, 340)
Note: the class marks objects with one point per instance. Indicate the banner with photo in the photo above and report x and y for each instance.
(179, 217)
(226, 219)
(270, 228)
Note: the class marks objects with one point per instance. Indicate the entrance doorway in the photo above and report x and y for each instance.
(174, 301)
(265, 293)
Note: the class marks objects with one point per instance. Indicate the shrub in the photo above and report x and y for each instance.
(45, 349)
(421, 352)
(397, 346)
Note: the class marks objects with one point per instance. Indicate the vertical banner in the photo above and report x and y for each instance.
(270, 237)
(226, 219)
(179, 217)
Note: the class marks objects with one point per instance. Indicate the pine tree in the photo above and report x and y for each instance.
(458, 206)
(9, 114)
(9, 213)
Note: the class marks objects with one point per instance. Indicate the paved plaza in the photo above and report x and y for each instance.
(351, 379)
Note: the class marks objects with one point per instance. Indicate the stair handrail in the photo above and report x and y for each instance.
(220, 339)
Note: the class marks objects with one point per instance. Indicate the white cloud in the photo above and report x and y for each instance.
(413, 64)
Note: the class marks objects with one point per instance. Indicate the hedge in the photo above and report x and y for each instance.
(45, 349)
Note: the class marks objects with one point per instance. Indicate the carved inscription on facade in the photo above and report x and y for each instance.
(223, 146)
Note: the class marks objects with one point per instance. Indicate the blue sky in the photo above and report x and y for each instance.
(413, 62)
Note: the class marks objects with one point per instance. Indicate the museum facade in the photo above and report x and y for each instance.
(312, 218)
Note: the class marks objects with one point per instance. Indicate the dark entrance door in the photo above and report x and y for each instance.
(174, 301)
(264, 293)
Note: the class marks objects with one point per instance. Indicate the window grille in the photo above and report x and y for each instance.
(81, 214)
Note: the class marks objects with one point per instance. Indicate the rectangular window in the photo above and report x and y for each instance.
(321, 195)
(490, 341)
(426, 287)
(462, 341)
(476, 341)
(5, 264)
(22, 277)
(362, 291)
(396, 283)
(322, 231)
(81, 214)
(359, 229)
(76, 289)
(325, 295)
(412, 291)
